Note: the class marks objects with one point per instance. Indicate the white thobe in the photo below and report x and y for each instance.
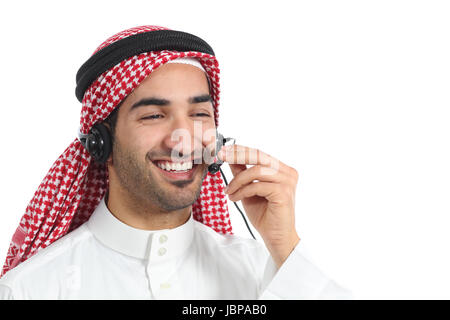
(107, 259)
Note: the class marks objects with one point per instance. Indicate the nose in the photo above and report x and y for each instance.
(181, 136)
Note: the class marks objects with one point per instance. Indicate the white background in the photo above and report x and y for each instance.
(353, 94)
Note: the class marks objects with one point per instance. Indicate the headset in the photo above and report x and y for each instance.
(99, 145)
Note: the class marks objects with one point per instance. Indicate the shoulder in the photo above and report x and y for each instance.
(34, 272)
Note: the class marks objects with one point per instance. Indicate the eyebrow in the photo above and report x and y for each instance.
(164, 102)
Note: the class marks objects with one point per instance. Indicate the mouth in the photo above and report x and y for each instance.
(177, 171)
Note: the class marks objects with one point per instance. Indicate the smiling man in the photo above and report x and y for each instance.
(130, 210)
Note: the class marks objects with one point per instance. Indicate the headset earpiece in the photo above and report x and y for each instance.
(98, 142)
(220, 141)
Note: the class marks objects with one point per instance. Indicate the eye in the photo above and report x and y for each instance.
(152, 117)
(156, 116)
(202, 114)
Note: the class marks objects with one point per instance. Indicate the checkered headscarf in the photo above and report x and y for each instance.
(75, 184)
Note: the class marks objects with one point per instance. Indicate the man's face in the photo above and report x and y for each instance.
(153, 132)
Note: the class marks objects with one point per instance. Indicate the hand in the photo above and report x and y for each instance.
(269, 203)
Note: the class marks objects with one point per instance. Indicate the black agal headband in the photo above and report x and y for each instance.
(136, 44)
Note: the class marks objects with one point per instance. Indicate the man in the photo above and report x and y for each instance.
(140, 221)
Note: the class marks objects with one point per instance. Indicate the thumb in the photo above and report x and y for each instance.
(236, 168)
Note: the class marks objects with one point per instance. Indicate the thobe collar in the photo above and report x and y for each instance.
(137, 242)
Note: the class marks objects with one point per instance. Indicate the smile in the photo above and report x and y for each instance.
(174, 166)
(176, 171)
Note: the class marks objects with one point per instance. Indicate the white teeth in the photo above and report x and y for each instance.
(170, 166)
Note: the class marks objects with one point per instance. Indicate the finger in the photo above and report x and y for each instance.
(255, 173)
(237, 154)
(270, 191)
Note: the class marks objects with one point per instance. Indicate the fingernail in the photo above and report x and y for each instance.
(226, 189)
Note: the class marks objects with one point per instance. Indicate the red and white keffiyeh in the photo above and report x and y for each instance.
(75, 184)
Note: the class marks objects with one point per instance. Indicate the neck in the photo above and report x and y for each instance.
(140, 214)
